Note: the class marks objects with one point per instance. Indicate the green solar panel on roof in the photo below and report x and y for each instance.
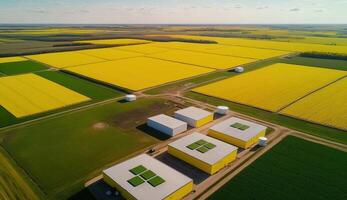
(202, 149)
(209, 145)
(236, 125)
(244, 127)
(201, 142)
(136, 181)
(138, 170)
(147, 174)
(156, 181)
(193, 146)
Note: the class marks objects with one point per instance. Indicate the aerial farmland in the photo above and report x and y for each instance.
(192, 112)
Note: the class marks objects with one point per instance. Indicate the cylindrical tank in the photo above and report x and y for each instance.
(262, 141)
(130, 97)
(222, 110)
(239, 69)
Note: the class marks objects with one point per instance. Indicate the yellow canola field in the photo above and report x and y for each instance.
(29, 94)
(138, 73)
(65, 59)
(12, 59)
(273, 87)
(116, 41)
(327, 106)
(226, 50)
(247, 52)
(142, 48)
(109, 53)
(266, 44)
(202, 59)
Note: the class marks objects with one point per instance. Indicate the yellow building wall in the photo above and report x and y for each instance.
(235, 141)
(182, 192)
(113, 184)
(204, 121)
(210, 169)
(225, 161)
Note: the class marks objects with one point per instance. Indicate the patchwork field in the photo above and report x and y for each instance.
(29, 94)
(202, 59)
(143, 48)
(273, 87)
(116, 41)
(109, 53)
(138, 73)
(293, 169)
(327, 106)
(266, 44)
(237, 51)
(62, 159)
(12, 59)
(65, 59)
(20, 67)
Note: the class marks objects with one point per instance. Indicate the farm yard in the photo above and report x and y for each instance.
(273, 87)
(64, 118)
(292, 161)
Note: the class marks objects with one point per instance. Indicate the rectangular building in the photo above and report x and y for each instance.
(146, 178)
(204, 152)
(168, 125)
(238, 132)
(195, 117)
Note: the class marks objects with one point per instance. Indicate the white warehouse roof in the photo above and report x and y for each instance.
(173, 180)
(212, 156)
(168, 121)
(193, 113)
(225, 127)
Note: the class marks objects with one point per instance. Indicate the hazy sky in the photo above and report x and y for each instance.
(173, 11)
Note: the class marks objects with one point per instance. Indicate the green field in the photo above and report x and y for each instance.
(92, 90)
(14, 183)
(21, 67)
(315, 62)
(61, 153)
(293, 169)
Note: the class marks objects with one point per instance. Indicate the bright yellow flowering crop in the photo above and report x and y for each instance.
(29, 94)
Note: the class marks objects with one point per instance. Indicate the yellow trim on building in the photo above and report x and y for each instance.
(204, 121)
(182, 192)
(235, 141)
(210, 169)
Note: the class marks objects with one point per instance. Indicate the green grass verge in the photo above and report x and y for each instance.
(295, 124)
(14, 183)
(316, 62)
(293, 169)
(61, 153)
(92, 90)
(21, 67)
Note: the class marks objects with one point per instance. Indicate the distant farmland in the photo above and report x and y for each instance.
(293, 169)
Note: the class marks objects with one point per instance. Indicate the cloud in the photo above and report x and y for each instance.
(37, 10)
(262, 7)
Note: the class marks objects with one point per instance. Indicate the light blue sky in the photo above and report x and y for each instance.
(173, 11)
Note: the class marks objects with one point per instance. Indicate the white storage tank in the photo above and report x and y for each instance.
(239, 69)
(222, 110)
(262, 141)
(130, 97)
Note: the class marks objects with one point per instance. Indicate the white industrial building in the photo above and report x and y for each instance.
(195, 117)
(145, 178)
(204, 152)
(239, 132)
(166, 124)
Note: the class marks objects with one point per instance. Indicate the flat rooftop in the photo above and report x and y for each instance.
(238, 128)
(204, 148)
(167, 121)
(146, 178)
(194, 113)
